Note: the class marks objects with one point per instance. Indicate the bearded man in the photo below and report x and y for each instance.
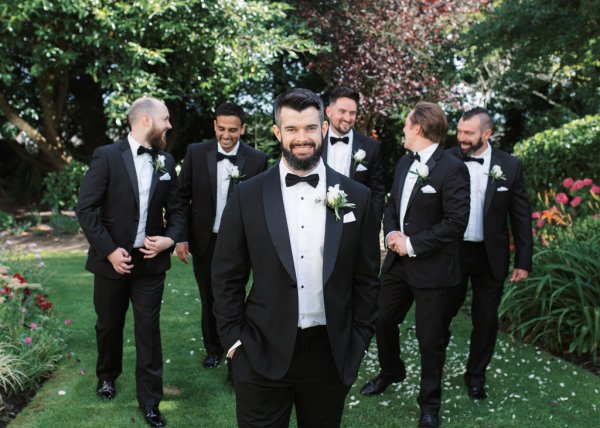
(128, 212)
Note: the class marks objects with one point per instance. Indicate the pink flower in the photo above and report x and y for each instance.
(533, 230)
(27, 340)
(67, 322)
(576, 201)
(536, 214)
(568, 182)
(588, 181)
(23, 310)
(561, 198)
(34, 326)
(577, 185)
(595, 189)
(540, 223)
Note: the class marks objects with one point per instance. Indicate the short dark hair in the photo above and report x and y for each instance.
(298, 99)
(484, 116)
(231, 109)
(343, 92)
(432, 120)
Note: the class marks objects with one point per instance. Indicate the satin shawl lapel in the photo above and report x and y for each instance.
(431, 163)
(325, 148)
(333, 229)
(211, 167)
(404, 168)
(154, 182)
(357, 145)
(240, 163)
(276, 220)
(127, 157)
(492, 185)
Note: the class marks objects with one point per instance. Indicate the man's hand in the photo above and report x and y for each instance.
(154, 245)
(183, 251)
(519, 275)
(397, 243)
(120, 261)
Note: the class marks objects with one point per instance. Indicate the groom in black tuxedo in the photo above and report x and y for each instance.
(349, 152)
(497, 194)
(207, 178)
(298, 334)
(424, 220)
(128, 212)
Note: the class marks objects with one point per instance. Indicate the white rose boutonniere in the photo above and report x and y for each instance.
(336, 198)
(235, 175)
(421, 171)
(158, 163)
(496, 173)
(359, 157)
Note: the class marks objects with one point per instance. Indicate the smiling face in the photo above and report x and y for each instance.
(411, 132)
(472, 139)
(301, 136)
(342, 114)
(159, 125)
(228, 130)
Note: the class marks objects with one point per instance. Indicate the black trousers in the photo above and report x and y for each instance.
(111, 301)
(312, 385)
(202, 272)
(431, 320)
(487, 293)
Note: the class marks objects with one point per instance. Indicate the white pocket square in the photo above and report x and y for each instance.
(361, 167)
(428, 189)
(349, 217)
(166, 176)
(502, 189)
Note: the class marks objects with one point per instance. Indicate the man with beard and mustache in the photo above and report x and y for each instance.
(205, 184)
(128, 212)
(298, 334)
(497, 194)
(349, 152)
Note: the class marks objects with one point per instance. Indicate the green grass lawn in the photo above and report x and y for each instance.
(526, 387)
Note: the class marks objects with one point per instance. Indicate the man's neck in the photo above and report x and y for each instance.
(298, 172)
(481, 150)
(420, 145)
(140, 138)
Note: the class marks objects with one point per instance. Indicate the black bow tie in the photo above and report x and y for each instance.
(472, 159)
(221, 156)
(292, 179)
(336, 140)
(152, 152)
(415, 156)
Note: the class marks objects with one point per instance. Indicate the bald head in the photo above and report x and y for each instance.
(143, 106)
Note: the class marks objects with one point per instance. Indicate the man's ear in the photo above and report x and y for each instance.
(486, 134)
(243, 130)
(277, 132)
(324, 128)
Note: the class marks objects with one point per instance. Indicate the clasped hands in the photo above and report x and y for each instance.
(396, 241)
(121, 259)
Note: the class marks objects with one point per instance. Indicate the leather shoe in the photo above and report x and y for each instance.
(211, 361)
(429, 421)
(379, 383)
(106, 389)
(153, 416)
(476, 392)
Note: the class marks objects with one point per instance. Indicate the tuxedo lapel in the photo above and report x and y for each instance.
(492, 185)
(276, 220)
(130, 168)
(404, 168)
(211, 167)
(154, 182)
(333, 230)
(357, 145)
(325, 148)
(431, 163)
(240, 163)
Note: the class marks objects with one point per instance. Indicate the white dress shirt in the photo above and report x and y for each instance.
(143, 172)
(339, 155)
(479, 179)
(306, 227)
(224, 168)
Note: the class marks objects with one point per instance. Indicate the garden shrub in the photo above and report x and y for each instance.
(556, 153)
(61, 189)
(63, 224)
(6, 221)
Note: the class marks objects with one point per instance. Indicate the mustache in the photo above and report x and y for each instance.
(304, 144)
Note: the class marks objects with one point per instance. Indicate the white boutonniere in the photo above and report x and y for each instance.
(235, 175)
(496, 173)
(359, 157)
(158, 163)
(336, 198)
(421, 171)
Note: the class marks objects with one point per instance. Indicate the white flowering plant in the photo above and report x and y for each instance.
(336, 199)
(496, 173)
(421, 171)
(158, 163)
(235, 175)
(359, 157)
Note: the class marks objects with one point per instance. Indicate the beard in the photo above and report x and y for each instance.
(473, 147)
(157, 139)
(302, 164)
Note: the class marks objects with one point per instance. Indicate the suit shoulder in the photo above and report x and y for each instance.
(366, 140)
(353, 186)
(251, 151)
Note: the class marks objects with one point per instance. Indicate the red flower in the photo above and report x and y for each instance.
(588, 181)
(561, 198)
(540, 223)
(533, 230)
(595, 189)
(20, 278)
(536, 214)
(577, 185)
(568, 182)
(576, 201)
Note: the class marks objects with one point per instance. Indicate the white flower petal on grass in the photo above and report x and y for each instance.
(385, 403)
(168, 361)
(62, 392)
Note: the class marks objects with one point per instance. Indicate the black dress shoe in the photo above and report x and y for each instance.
(429, 421)
(379, 383)
(106, 389)
(211, 361)
(153, 416)
(476, 392)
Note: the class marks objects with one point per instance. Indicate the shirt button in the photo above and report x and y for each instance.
(302, 227)
(302, 286)
(301, 257)
(302, 197)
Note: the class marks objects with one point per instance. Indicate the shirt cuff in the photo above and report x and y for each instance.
(409, 248)
(231, 351)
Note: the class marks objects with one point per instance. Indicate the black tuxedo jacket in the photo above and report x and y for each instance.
(198, 188)
(498, 207)
(108, 208)
(435, 222)
(373, 176)
(254, 235)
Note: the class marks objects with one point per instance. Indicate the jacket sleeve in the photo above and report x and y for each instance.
(519, 212)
